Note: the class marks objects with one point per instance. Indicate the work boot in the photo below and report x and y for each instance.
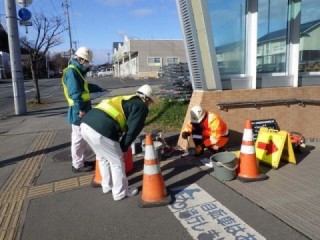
(198, 153)
(82, 169)
(89, 163)
(106, 189)
(131, 192)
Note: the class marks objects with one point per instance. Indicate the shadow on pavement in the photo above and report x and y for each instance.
(33, 154)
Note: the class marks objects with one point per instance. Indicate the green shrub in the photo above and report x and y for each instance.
(166, 115)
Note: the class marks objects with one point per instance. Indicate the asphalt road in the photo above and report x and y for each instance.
(48, 87)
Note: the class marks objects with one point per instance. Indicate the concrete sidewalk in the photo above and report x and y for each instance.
(36, 181)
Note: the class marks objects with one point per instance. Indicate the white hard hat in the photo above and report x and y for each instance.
(197, 113)
(84, 53)
(145, 90)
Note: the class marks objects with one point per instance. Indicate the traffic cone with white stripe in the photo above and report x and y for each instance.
(248, 166)
(153, 188)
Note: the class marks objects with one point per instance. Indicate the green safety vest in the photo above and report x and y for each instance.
(113, 108)
(85, 95)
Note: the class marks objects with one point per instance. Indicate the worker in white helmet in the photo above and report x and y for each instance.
(77, 92)
(110, 128)
(207, 129)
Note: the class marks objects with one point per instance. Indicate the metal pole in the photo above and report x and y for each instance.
(15, 58)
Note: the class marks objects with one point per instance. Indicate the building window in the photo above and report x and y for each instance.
(172, 60)
(309, 37)
(228, 21)
(154, 61)
(272, 36)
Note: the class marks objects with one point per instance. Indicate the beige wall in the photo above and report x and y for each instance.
(157, 48)
(303, 119)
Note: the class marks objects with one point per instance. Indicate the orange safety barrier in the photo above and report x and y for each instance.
(248, 166)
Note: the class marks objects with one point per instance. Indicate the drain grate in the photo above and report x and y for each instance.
(65, 156)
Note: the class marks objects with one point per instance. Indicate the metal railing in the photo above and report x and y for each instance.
(258, 104)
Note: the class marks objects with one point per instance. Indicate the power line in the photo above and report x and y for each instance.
(54, 7)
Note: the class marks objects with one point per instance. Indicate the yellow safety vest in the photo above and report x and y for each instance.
(113, 108)
(85, 95)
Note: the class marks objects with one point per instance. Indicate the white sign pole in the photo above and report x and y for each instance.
(15, 58)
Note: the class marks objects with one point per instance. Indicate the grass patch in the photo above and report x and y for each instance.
(33, 104)
(166, 115)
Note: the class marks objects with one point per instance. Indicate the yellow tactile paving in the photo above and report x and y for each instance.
(16, 188)
(13, 196)
(26, 170)
(66, 184)
(7, 235)
(35, 191)
(71, 183)
(85, 180)
(9, 218)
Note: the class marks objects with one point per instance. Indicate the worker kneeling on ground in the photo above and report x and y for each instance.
(207, 129)
(110, 128)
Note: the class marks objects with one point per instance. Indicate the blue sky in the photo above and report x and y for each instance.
(98, 23)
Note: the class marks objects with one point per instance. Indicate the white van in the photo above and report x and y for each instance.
(105, 72)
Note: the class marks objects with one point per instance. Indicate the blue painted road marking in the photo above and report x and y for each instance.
(207, 219)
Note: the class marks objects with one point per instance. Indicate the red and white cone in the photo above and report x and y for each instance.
(248, 166)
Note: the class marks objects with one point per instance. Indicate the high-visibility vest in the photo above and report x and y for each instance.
(212, 126)
(85, 94)
(113, 108)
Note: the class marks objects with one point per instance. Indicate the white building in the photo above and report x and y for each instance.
(144, 58)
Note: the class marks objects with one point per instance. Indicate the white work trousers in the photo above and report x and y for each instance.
(111, 161)
(78, 147)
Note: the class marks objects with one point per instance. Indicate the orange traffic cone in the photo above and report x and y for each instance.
(153, 189)
(248, 167)
(97, 179)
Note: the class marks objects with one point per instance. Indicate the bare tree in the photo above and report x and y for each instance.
(59, 62)
(48, 31)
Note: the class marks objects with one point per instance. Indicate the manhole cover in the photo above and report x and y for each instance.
(65, 156)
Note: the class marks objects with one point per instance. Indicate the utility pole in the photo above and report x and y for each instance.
(15, 58)
(75, 44)
(66, 5)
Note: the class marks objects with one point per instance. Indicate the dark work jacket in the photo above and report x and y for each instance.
(136, 112)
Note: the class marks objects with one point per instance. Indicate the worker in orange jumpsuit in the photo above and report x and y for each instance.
(207, 130)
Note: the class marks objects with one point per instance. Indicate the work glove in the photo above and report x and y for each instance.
(199, 149)
(213, 140)
(123, 148)
(185, 135)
